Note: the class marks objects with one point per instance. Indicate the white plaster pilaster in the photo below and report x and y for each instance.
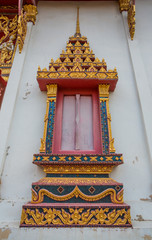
(10, 96)
(142, 85)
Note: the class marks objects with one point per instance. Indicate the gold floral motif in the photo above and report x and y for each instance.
(76, 216)
(22, 28)
(6, 52)
(92, 74)
(78, 169)
(31, 12)
(115, 197)
(64, 75)
(53, 75)
(8, 27)
(42, 74)
(7, 48)
(77, 75)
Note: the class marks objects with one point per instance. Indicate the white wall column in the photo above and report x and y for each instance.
(10, 96)
(141, 80)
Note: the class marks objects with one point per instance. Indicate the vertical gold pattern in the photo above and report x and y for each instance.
(51, 96)
(22, 29)
(111, 140)
(104, 96)
(131, 19)
(78, 24)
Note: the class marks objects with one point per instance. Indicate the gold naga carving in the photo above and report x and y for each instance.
(80, 216)
(115, 197)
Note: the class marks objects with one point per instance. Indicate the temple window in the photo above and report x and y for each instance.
(77, 126)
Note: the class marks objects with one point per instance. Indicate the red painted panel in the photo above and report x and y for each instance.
(2, 91)
(76, 83)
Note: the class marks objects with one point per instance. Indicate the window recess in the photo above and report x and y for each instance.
(77, 123)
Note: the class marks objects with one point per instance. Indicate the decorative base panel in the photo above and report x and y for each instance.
(72, 215)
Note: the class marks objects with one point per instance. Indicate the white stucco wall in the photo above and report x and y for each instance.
(102, 24)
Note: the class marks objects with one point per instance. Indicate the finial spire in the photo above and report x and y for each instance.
(78, 34)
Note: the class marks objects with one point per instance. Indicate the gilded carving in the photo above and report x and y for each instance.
(77, 62)
(80, 181)
(76, 216)
(22, 28)
(8, 27)
(31, 12)
(7, 49)
(131, 19)
(5, 71)
(7, 45)
(104, 90)
(51, 97)
(51, 90)
(115, 197)
(114, 159)
(104, 96)
(111, 140)
(124, 5)
(78, 169)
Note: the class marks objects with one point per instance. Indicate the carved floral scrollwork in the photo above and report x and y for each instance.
(75, 216)
(9, 29)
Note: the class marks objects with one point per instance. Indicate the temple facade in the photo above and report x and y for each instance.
(75, 95)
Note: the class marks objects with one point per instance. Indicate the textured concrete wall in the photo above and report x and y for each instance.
(105, 29)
